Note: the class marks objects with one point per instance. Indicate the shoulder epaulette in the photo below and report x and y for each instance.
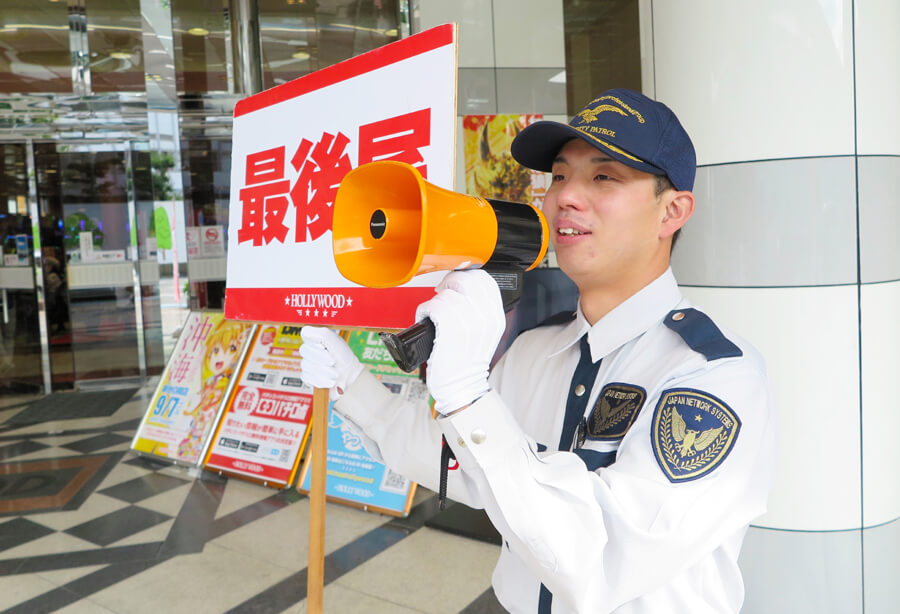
(701, 334)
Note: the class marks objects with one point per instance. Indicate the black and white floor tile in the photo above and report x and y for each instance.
(87, 526)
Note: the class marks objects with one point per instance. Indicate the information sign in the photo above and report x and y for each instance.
(354, 477)
(266, 422)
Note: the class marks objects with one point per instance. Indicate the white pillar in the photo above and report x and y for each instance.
(793, 108)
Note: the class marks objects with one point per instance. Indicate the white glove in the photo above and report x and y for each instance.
(469, 322)
(327, 360)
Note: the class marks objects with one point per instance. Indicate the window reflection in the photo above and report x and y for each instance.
(151, 302)
(603, 48)
(34, 47)
(302, 36)
(114, 40)
(198, 30)
(206, 178)
(82, 197)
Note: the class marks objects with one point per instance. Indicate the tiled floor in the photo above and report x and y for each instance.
(87, 526)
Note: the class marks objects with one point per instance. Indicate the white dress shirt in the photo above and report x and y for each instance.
(657, 531)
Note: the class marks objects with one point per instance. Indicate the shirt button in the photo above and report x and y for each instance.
(678, 316)
(461, 442)
(579, 390)
(478, 436)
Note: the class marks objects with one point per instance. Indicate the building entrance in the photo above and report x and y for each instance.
(88, 308)
(20, 339)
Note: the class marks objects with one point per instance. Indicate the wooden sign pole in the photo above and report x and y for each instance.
(315, 570)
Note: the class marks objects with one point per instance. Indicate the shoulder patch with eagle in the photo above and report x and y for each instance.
(692, 433)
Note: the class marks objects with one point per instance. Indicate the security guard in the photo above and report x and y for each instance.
(622, 450)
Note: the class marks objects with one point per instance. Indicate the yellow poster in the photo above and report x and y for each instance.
(491, 172)
(193, 389)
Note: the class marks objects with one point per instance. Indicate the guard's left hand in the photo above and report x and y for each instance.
(327, 361)
(469, 322)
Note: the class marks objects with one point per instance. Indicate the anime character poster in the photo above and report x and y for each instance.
(193, 389)
(354, 477)
(491, 172)
(266, 421)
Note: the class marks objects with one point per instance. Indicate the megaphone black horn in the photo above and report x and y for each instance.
(390, 225)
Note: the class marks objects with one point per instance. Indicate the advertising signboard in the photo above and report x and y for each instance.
(354, 477)
(266, 422)
(193, 388)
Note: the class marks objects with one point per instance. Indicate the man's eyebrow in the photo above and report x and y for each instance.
(596, 160)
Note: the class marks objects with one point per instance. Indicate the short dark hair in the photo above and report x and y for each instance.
(663, 183)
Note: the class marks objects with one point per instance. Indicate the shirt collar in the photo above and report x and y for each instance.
(631, 318)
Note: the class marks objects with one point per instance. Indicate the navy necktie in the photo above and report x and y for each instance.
(576, 403)
(579, 393)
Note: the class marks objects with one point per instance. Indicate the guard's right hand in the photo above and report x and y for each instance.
(327, 361)
(469, 322)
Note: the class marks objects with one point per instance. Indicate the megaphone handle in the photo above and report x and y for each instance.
(411, 347)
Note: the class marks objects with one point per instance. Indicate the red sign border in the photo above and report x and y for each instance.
(396, 307)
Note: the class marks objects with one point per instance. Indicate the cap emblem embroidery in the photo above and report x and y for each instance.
(590, 115)
(619, 102)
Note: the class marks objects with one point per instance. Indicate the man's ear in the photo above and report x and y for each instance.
(678, 208)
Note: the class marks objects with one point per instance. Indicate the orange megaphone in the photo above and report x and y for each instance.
(389, 225)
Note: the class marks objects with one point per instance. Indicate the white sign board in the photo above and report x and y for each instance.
(292, 146)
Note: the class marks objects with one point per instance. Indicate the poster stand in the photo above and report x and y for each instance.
(309, 469)
(355, 478)
(193, 390)
(265, 426)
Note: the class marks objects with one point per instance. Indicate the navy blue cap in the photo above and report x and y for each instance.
(633, 129)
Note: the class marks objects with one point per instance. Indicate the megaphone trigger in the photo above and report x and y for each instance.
(412, 346)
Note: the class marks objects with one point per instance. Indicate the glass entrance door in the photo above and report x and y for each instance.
(21, 368)
(96, 307)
